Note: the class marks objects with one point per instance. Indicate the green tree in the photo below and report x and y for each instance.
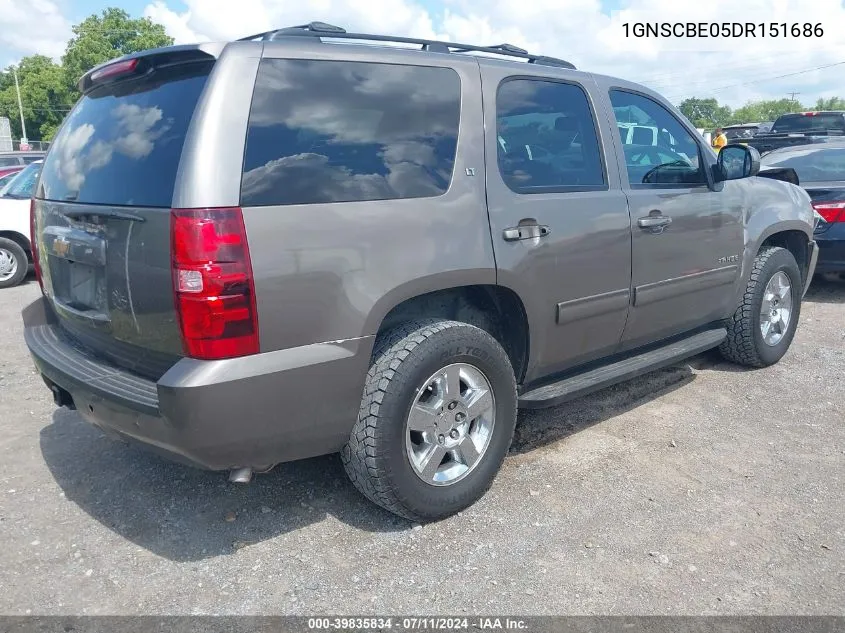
(757, 111)
(111, 34)
(831, 103)
(44, 95)
(706, 113)
(48, 90)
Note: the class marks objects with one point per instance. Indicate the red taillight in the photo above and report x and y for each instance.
(810, 113)
(112, 70)
(831, 211)
(34, 244)
(212, 281)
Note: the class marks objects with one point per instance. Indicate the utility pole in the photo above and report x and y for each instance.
(792, 95)
(20, 105)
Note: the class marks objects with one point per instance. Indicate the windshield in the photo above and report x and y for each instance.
(816, 163)
(23, 184)
(810, 123)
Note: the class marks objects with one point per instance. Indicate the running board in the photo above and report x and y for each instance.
(601, 377)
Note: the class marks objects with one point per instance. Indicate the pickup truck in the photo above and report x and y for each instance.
(800, 128)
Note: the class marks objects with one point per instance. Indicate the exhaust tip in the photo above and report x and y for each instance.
(240, 475)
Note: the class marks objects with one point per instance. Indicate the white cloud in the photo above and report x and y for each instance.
(581, 31)
(33, 26)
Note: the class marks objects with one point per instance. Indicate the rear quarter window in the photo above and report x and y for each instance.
(328, 131)
(122, 143)
(810, 123)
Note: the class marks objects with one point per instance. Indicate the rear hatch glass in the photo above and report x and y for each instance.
(102, 215)
(800, 123)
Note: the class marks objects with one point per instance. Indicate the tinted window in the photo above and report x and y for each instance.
(669, 157)
(5, 180)
(811, 163)
(546, 137)
(31, 159)
(122, 143)
(322, 131)
(809, 123)
(23, 184)
(9, 161)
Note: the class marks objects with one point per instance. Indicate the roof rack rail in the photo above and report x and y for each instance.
(321, 30)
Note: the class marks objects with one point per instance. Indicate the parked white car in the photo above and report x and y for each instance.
(15, 249)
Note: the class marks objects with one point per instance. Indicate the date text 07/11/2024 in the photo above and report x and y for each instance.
(415, 624)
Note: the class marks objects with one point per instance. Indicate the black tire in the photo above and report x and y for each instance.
(19, 254)
(744, 344)
(375, 458)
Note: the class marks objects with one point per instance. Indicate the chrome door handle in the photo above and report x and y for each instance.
(525, 232)
(654, 223)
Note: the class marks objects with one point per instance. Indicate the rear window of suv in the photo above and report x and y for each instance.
(122, 143)
(329, 131)
(809, 123)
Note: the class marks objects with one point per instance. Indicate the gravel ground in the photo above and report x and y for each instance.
(699, 489)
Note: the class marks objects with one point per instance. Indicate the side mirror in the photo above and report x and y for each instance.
(737, 161)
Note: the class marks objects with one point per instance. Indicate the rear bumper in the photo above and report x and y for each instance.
(831, 249)
(254, 411)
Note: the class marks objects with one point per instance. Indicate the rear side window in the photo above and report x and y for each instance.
(9, 161)
(546, 137)
(327, 131)
(122, 143)
(810, 123)
(812, 163)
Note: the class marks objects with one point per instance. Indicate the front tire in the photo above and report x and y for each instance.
(13, 263)
(436, 420)
(763, 326)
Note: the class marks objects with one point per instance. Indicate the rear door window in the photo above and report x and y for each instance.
(547, 137)
(122, 143)
(328, 131)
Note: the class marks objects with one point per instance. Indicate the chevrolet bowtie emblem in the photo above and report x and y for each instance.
(61, 246)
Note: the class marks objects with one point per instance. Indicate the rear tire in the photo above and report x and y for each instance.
(13, 263)
(440, 371)
(775, 287)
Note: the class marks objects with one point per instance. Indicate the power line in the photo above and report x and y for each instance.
(755, 71)
(756, 81)
(685, 73)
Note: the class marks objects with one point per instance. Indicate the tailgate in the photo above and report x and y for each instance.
(102, 213)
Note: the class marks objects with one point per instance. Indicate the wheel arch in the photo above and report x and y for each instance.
(19, 239)
(495, 309)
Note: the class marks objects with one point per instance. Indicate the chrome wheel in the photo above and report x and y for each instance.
(450, 424)
(8, 264)
(776, 309)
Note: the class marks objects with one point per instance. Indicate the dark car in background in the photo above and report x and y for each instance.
(800, 128)
(15, 161)
(741, 131)
(821, 171)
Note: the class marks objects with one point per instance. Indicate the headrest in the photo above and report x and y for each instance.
(566, 124)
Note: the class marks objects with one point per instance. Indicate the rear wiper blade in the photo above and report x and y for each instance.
(117, 215)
